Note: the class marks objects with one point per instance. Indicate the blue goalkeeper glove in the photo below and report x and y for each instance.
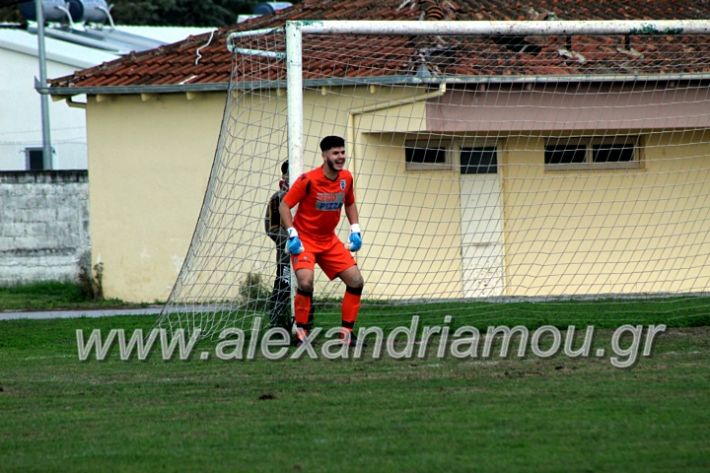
(294, 245)
(355, 237)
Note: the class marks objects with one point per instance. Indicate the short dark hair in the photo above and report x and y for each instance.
(331, 142)
(284, 167)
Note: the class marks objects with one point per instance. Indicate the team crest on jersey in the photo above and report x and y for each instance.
(342, 184)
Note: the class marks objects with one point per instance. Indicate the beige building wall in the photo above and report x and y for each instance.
(408, 253)
(150, 163)
(148, 167)
(411, 223)
(256, 146)
(609, 231)
(410, 218)
(566, 232)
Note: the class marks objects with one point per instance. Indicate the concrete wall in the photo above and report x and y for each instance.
(44, 225)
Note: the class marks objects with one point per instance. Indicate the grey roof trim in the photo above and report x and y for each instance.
(390, 80)
(137, 89)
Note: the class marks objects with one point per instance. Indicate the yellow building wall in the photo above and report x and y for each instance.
(148, 168)
(406, 254)
(411, 224)
(150, 161)
(249, 175)
(565, 232)
(608, 231)
(410, 218)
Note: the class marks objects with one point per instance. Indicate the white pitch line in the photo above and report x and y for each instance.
(72, 314)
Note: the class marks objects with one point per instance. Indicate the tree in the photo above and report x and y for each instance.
(180, 12)
(9, 10)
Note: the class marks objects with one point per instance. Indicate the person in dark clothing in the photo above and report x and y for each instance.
(280, 300)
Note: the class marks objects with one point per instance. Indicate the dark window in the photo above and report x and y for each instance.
(423, 155)
(479, 160)
(613, 153)
(565, 154)
(35, 159)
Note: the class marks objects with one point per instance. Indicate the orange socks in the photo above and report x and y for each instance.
(303, 309)
(303, 305)
(351, 306)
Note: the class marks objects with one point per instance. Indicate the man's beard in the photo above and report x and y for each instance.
(331, 166)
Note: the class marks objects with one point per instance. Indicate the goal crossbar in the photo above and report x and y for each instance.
(586, 27)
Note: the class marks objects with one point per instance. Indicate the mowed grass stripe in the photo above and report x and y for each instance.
(59, 414)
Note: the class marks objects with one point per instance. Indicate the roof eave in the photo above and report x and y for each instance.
(137, 89)
(382, 80)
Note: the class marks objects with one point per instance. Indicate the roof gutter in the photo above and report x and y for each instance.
(138, 89)
(360, 81)
(74, 104)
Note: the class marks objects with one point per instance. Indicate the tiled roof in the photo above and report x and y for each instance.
(177, 64)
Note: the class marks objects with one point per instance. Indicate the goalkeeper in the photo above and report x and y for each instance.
(320, 195)
(280, 300)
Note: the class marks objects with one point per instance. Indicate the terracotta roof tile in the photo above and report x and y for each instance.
(377, 56)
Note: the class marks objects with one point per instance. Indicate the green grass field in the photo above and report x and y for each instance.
(558, 414)
(51, 295)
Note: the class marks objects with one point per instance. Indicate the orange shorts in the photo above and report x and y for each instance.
(333, 258)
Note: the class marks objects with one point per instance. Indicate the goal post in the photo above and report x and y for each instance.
(494, 162)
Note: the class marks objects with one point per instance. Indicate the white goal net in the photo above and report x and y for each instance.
(525, 173)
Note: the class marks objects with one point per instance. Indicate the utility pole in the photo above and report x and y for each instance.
(41, 86)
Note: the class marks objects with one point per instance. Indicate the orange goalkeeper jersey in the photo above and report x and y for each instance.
(321, 201)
